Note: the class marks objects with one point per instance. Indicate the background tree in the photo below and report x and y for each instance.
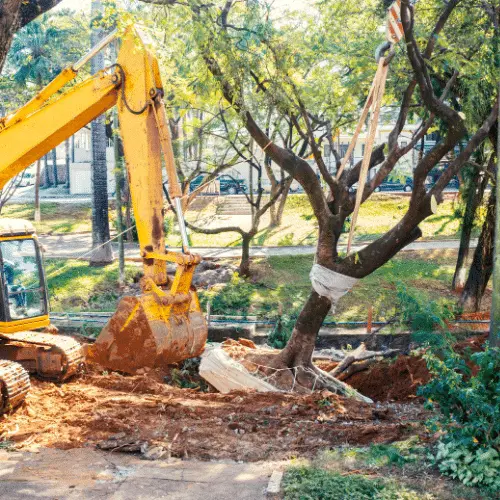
(14, 15)
(103, 252)
(39, 52)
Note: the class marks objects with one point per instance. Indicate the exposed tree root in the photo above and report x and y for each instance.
(300, 377)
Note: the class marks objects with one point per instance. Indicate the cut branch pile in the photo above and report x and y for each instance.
(358, 360)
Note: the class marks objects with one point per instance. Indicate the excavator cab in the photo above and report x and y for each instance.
(23, 293)
(24, 308)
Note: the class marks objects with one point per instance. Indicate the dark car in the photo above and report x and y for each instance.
(227, 183)
(405, 185)
(434, 175)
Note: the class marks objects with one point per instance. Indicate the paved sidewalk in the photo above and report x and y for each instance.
(72, 246)
(84, 473)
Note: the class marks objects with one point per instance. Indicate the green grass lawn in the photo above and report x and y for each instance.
(377, 215)
(56, 218)
(398, 471)
(277, 282)
(285, 281)
(75, 286)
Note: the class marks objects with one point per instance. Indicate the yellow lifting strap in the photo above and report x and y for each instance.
(394, 33)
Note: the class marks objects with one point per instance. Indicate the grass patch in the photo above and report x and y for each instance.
(377, 215)
(277, 283)
(56, 218)
(386, 471)
(75, 286)
(284, 282)
(310, 483)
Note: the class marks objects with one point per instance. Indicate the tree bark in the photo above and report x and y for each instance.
(482, 262)
(474, 197)
(67, 161)
(54, 167)
(244, 268)
(38, 215)
(103, 253)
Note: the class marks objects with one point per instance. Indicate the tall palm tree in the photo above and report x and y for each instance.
(38, 52)
(103, 253)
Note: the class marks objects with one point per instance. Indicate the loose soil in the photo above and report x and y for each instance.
(241, 425)
(249, 426)
(399, 379)
(392, 380)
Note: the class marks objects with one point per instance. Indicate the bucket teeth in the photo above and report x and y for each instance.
(14, 385)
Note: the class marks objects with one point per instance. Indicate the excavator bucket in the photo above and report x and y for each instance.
(153, 330)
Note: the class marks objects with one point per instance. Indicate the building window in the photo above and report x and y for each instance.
(327, 151)
(404, 144)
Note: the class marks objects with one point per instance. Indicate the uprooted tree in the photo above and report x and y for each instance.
(250, 58)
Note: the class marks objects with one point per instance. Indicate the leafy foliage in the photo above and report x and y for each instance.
(309, 483)
(468, 404)
(282, 331)
(233, 298)
(419, 312)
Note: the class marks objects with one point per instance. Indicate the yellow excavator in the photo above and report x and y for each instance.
(163, 325)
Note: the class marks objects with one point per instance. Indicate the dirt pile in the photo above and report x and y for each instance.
(241, 425)
(399, 379)
(392, 380)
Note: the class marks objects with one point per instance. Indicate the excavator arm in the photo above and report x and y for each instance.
(165, 324)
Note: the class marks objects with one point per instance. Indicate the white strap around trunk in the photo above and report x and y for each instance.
(328, 283)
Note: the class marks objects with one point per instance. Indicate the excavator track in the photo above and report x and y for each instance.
(54, 357)
(14, 385)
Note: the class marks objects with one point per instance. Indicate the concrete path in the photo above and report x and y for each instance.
(85, 473)
(72, 246)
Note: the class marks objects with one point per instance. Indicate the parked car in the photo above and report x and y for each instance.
(405, 185)
(434, 175)
(227, 183)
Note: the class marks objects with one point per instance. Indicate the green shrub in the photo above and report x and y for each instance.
(233, 298)
(468, 414)
(282, 331)
(419, 312)
(310, 483)
(286, 241)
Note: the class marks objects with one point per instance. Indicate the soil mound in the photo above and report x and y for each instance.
(391, 380)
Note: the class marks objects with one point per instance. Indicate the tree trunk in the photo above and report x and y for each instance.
(38, 215)
(474, 198)
(103, 253)
(67, 161)
(244, 269)
(54, 167)
(47, 182)
(277, 216)
(300, 347)
(482, 262)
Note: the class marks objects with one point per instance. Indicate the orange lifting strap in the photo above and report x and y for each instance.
(394, 33)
